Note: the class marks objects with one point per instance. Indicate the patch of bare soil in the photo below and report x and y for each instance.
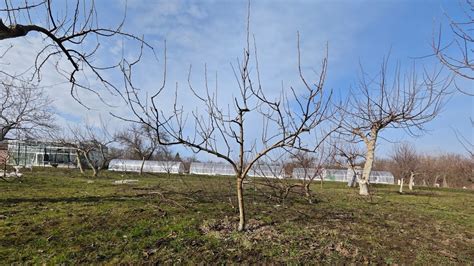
(223, 228)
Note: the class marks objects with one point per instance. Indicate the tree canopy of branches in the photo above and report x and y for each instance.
(141, 142)
(404, 101)
(348, 155)
(451, 169)
(312, 166)
(467, 143)
(73, 32)
(407, 162)
(92, 144)
(223, 130)
(457, 54)
(455, 169)
(25, 110)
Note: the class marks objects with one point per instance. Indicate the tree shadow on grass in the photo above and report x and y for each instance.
(419, 193)
(87, 199)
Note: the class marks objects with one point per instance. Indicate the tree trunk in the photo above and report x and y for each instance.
(5, 170)
(410, 184)
(104, 162)
(401, 187)
(363, 188)
(91, 165)
(436, 181)
(352, 176)
(3, 132)
(445, 183)
(240, 199)
(364, 180)
(307, 192)
(94, 172)
(143, 164)
(78, 161)
(424, 183)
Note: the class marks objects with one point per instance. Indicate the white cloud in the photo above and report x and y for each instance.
(214, 33)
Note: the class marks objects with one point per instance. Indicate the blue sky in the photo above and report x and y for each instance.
(213, 32)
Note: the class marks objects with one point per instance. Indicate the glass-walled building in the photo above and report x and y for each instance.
(38, 153)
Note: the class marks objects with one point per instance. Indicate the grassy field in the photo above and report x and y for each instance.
(58, 216)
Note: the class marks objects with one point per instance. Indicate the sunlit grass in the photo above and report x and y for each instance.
(59, 216)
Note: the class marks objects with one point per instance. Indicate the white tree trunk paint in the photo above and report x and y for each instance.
(364, 180)
(411, 182)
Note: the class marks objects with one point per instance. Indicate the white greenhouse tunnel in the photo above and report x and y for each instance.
(258, 170)
(211, 169)
(148, 167)
(340, 175)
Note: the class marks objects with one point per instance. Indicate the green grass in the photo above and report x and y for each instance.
(59, 216)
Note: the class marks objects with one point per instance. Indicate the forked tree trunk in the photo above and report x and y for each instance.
(401, 186)
(410, 184)
(91, 165)
(143, 164)
(94, 171)
(240, 200)
(364, 180)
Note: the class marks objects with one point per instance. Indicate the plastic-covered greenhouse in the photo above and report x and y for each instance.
(148, 166)
(378, 177)
(327, 174)
(260, 170)
(339, 175)
(211, 169)
(381, 177)
(307, 173)
(267, 170)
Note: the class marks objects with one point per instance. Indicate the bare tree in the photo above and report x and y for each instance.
(223, 130)
(24, 109)
(270, 172)
(403, 101)
(141, 141)
(427, 171)
(92, 144)
(304, 165)
(407, 162)
(348, 155)
(310, 167)
(74, 35)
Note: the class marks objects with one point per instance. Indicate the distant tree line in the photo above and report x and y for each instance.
(441, 170)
